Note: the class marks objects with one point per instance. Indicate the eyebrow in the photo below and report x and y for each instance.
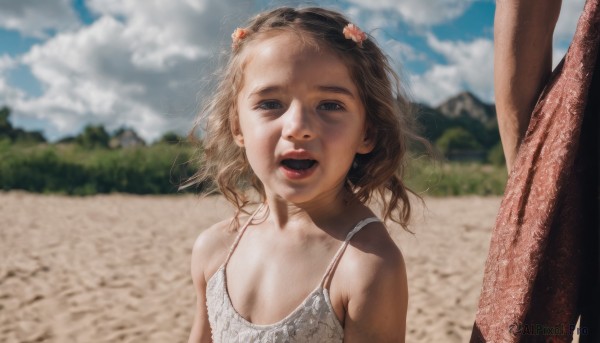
(323, 88)
(336, 89)
(265, 90)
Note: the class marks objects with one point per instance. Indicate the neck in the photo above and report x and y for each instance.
(320, 213)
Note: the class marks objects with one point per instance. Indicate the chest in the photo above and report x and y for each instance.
(269, 279)
(312, 321)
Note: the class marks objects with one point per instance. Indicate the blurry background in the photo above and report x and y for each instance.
(65, 64)
(96, 95)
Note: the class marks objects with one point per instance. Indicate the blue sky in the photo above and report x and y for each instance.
(65, 64)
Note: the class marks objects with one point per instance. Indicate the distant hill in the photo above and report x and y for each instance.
(467, 104)
(464, 110)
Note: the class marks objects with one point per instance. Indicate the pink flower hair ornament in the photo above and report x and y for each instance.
(352, 31)
(237, 36)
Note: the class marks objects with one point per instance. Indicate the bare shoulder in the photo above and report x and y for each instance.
(210, 249)
(375, 293)
(372, 255)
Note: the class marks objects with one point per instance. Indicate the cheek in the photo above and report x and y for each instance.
(345, 137)
(259, 144)
(256, 132)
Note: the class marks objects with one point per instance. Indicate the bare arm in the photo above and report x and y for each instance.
(200, 329)
(376, 310)
(522, 64)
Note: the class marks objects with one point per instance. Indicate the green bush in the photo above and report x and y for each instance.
(40, 171)
(80, 171)
(496, 155)
(161, 168)
(457, 138)
(453, 178)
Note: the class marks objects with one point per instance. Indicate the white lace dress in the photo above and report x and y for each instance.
(312, 321)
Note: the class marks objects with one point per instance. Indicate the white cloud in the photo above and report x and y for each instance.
(565, 28)
(89, 75)
(138, 65)
(567, 21)
(6, 63)
(403, 52)
(469, 67)
(35, 18)
(420, 12)
(8, 94)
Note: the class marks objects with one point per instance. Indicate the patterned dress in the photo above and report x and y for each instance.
(542, 269)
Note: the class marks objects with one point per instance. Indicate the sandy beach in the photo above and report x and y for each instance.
(115, 268)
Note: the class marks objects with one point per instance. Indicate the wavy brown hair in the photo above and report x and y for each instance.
(375, 176)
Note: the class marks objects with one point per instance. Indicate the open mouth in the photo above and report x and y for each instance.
(298, 164)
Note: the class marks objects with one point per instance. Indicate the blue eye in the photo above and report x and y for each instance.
(331, 106)
(269, 105)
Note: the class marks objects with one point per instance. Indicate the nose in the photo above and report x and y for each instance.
(297, 125)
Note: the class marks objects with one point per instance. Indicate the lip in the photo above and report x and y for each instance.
(297, 155)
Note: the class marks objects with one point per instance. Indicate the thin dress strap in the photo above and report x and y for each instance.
(340, 251)
(237, 239)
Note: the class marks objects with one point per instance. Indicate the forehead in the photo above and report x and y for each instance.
(287, 59)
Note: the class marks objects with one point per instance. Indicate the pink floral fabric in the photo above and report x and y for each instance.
(542, 268)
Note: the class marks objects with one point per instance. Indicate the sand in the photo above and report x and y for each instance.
(115, 268)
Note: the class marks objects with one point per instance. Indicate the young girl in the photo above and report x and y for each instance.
(308, 112)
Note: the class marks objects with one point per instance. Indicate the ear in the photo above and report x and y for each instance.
(237, 133)
(238, 138)
(368, 143)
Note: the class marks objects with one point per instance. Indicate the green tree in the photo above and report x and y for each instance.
(487, 137)
(22, 136)
(5, 126)
(8, 132)
(170, 138)
(456, 139)
(93, 136)
(432, 123)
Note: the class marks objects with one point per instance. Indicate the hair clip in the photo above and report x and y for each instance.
(237, 36)
(352, 31)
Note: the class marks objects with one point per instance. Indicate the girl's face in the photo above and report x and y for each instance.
(301, 120)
